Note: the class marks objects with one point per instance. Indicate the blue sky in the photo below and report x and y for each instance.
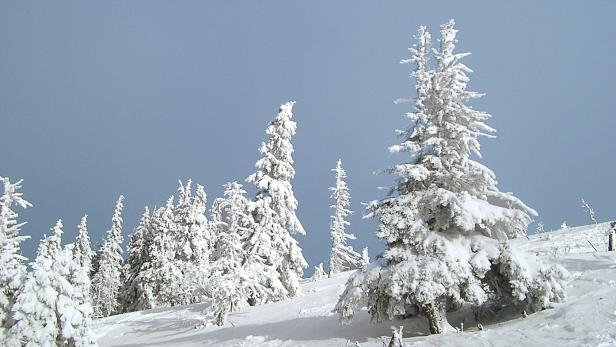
(102, 98)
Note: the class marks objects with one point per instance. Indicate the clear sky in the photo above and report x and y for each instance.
(101, 98)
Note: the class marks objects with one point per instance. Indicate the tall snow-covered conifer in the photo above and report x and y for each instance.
(231, 280)
(193, 241)
(107, 281)
(133, 296)
(35, 309)
(75, 305)
(77, 258)
(445, 222)
(82, 248)
(342, 257)
(274, 211)
(12, 267)
(162, 279)
(52, 309)
(275, 169)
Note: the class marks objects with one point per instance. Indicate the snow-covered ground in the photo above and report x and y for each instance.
(587, 318)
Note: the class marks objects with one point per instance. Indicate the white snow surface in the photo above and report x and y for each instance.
(586, 318)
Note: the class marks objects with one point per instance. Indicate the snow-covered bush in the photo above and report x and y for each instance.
(445, 222)
(319, 273)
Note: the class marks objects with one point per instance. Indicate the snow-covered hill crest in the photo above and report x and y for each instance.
(587, 318)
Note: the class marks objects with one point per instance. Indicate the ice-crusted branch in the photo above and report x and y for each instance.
(589, 211)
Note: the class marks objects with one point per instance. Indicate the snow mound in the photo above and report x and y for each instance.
(587, 318)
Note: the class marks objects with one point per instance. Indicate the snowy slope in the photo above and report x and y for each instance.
(587, 318)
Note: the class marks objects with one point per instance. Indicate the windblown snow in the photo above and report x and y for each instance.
(586, 318)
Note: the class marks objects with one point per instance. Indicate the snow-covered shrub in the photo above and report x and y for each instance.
(540, 228)
(445, 222)
(318, 274)
(519, 277)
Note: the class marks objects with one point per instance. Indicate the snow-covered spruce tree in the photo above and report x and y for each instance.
(107, 281)
(162, 281)
(51, 310)
(132, 296)
(274, 211)
(445, 222)
(77, 257)
(230, 282)
(12, 267)
(82, 249)
(342, 256)
(35, 308)
(96, 257)
(193, 241)
(74, 307)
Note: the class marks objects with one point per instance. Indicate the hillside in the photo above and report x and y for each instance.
(587, 318)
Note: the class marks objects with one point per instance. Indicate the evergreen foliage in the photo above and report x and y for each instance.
(107, 281)
(445, 222)
(277, 254)
(342, 257)
(12, 267)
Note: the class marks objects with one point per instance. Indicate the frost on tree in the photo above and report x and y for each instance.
(232, 279)
(274, 215)
(107, 281)
(82, 248)
(169, 253)
(134, 296)
(193, 241)
(51, 309)
(152, 277)
(342, 256)
(12, 267)
(79, 256)
(365, 257)
(161, 277)
(75, 306)
(319, 273)
(445, 222)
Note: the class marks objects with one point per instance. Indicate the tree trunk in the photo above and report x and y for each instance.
(437, 318)
(611, 246)
(252, 301)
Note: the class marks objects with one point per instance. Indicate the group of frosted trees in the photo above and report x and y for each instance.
(240, 253)
(243, 254)
(50, 304)
(445, 223)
